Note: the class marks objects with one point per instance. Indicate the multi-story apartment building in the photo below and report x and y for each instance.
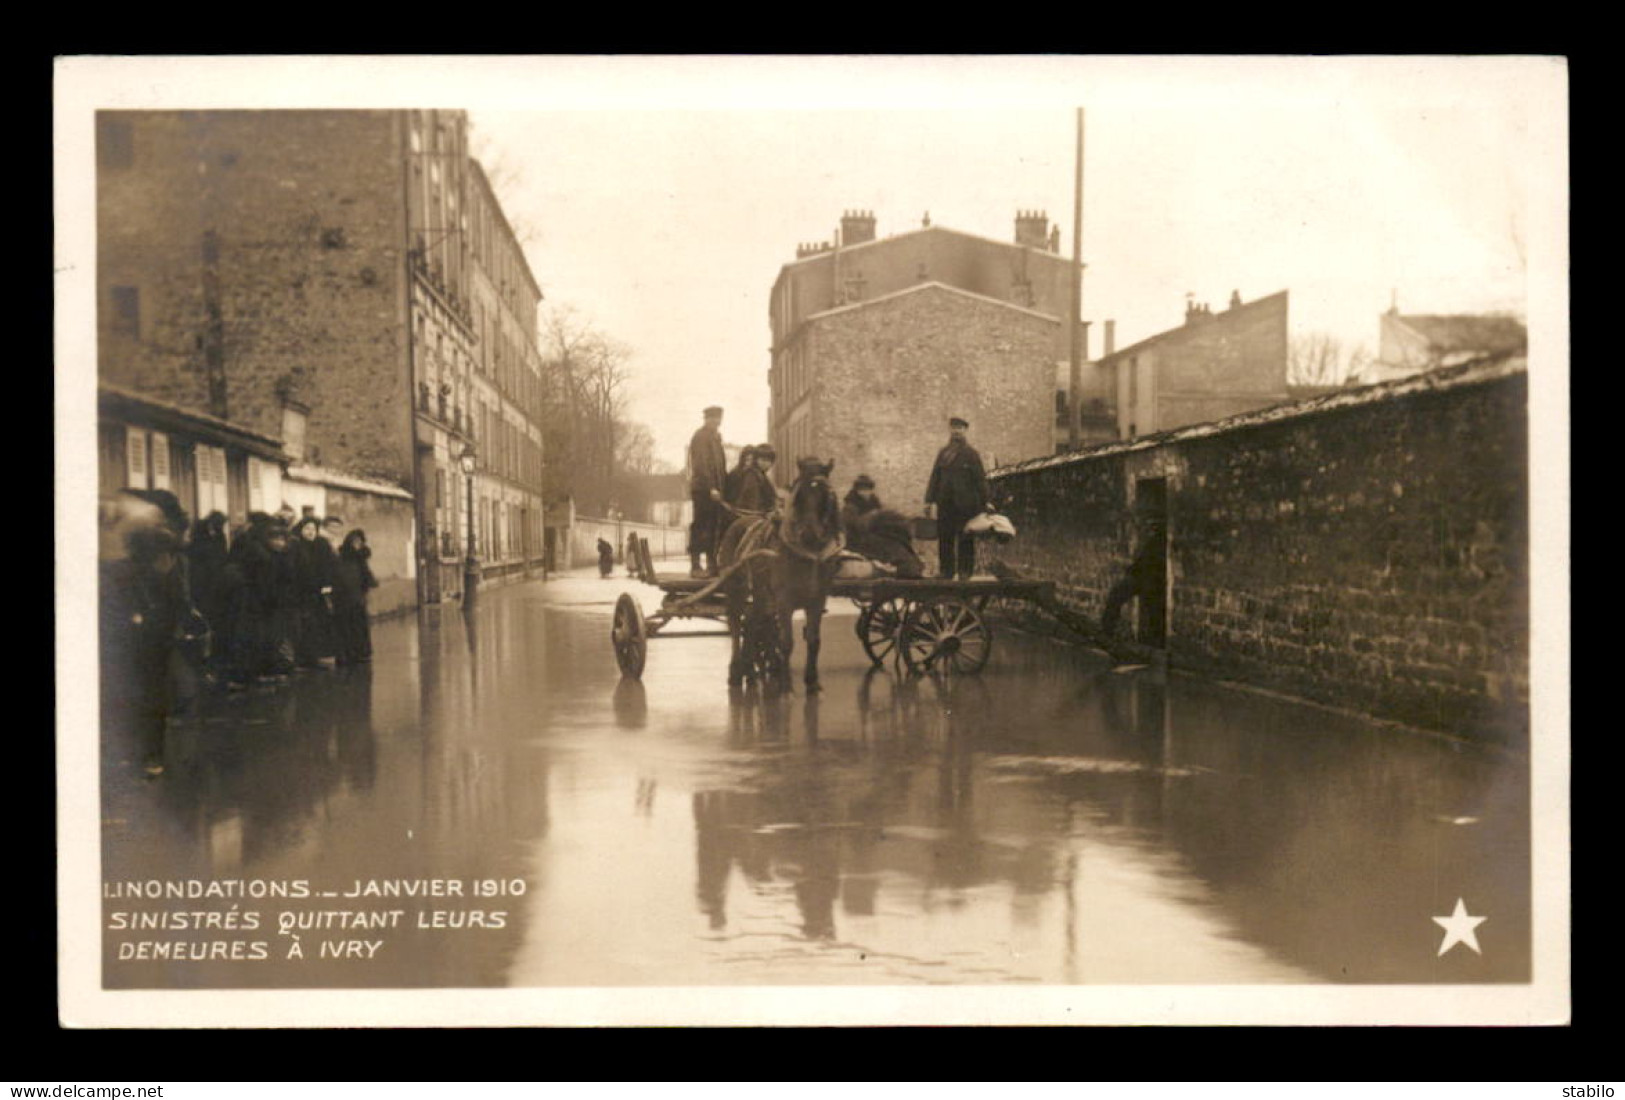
(877, 342)
(287, 315)
(507, 387)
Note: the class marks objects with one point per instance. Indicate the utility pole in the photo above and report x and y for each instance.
(1075, 314)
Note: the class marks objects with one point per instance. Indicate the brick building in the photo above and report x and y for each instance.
(876, 342)
(284, 303)
(1213, 366)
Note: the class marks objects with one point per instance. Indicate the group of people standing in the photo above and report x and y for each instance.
(957, 492)
(188, 606)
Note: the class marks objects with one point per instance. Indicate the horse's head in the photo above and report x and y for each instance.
(813, 520)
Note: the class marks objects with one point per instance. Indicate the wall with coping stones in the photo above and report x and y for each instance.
(1368, 550)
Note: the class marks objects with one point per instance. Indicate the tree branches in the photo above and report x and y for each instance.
(591, 444)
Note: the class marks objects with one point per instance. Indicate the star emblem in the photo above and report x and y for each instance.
(1458, 928)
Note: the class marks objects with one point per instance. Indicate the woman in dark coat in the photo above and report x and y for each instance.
(756, 492)
(877, 532)
(736, 476)
(352, 580)
(313, 561)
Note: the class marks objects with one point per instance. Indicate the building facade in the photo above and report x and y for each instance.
(877, 342)
(1213, 366)
(295, 289)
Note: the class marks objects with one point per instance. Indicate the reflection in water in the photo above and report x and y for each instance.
(1048, 820)
(631, 704)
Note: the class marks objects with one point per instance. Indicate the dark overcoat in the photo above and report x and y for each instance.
(958, 481)
(707, 463)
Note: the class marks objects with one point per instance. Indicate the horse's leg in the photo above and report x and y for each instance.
(787, 646)
(813, 633)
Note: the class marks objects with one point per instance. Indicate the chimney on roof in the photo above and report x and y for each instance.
(857, 226)
(805, 249)
(1032, 228)
(1111, 338)
(1235, 299)
(1195, 312)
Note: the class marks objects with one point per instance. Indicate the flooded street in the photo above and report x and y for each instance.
(532, 819)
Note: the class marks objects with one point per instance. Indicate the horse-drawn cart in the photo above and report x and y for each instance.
(931, 624)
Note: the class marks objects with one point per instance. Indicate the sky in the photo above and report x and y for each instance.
(668, 227)
(660, 197)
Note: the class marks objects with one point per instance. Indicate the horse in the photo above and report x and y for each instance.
(781, 563)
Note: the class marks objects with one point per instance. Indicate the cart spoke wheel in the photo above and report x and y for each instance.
(878, 626)
(630, 636)
(946, 635)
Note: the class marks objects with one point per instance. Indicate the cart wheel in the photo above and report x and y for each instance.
(946, 635)
(630, 636)
(878, 624)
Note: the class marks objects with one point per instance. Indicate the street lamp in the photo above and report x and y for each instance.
(471, 565)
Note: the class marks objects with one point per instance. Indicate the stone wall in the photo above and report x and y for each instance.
(1368, 549)
(664, 542)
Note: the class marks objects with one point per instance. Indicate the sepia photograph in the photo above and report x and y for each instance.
(812, 540)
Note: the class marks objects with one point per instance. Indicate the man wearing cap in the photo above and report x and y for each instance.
(958, 491)
(707, 476)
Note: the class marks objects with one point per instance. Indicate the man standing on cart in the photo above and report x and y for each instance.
(707, 477)
(958, 491)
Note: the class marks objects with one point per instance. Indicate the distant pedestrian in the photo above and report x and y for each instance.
(606, 558)
(1145, 576)
(707, 477)
(631, 554)
(958, 491)
(352, 580)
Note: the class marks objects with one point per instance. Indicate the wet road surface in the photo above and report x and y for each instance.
(490, 803)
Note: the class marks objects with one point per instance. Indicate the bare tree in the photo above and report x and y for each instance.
(507, 179)
(591, 442)
(1318, 359)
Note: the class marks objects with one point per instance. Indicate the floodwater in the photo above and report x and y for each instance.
(491, 804)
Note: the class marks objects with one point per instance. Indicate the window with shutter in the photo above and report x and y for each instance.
(222, 497)
(210, 498)
(160, 460)
(256, 486)
(135, 458)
